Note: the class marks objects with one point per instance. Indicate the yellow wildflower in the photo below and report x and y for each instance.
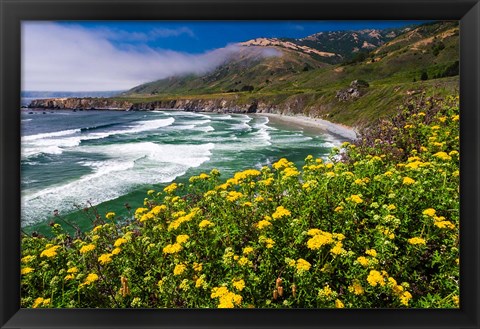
(262, 224)
(355, 198)
(87, 248)
(116, 251)
(405, 298)
(91, 278)
(408, 181)
(238, 284)
(371, 252)
(119, 242)
(319, 240)
(303, 265)
(179, 269)
(429, 212)
(171, 188)
(37, 302)
(72, 270)
(375, 278)
(205, 223)
(105, 259)
(69, 277)
(233, 196)
(416, 240)
(242, 261)
(110, 215)
(356, 288)
(444, 224)
(200, 282)
(172, 248)
(50, 252)
(182, 238)
(26, 270)
(197, 267)
(363, 261)
(442, 156)
(280, 212)
(27, 259)
(247, 250)
(339, 304)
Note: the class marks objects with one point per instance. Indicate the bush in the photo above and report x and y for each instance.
(378, 229)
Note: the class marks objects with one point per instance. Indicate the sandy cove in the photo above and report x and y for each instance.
(327, 126)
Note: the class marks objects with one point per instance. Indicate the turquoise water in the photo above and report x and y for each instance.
(110, 158)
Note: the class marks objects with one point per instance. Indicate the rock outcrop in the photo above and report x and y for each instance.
(357, 89)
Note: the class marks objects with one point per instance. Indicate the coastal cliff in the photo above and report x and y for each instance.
(293, 105)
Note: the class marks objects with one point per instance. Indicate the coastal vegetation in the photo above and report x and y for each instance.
(374, 226)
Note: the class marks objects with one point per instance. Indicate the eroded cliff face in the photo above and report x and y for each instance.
(222, 105)
(80, 103)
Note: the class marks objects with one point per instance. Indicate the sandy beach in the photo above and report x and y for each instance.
(327, 126)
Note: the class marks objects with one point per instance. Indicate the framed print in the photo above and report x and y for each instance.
(248, 164)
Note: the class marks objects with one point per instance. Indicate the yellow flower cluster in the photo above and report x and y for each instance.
(91, 278)
(281, 164)
(87, 248)
(183, 219)
(40, 301)
(226, 298)
(408, 181)
(355, 198)
(110, 215)
(371, 252)
(233, 196)
(320, 239)
(27, 259)
(302, 265)
(26, 270)
(281, 212)
(443, 156)
(119, 242)
(416, 240)
(429, 212)
(50, 252)
(263, 224)
(170, 188)
(172, 248)
(205, 223)
(374, 278)
(326, 293)
(179, 269)
(238, 284)
(182, 238)
(105, 258)
(356, 288)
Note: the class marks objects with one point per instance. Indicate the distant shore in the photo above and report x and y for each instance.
(302, 120)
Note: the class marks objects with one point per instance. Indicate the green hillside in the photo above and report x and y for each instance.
(423, 59)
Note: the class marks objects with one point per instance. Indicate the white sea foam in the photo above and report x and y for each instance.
(221, 117)
(57, 142)
(205, 128)
(26, 120)
(29, 138)
(128, 165)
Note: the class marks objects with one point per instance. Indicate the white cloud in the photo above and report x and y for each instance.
(58, 57)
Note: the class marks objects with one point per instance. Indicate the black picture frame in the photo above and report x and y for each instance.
(14, 11)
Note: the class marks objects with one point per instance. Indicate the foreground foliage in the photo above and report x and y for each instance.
(375, 226)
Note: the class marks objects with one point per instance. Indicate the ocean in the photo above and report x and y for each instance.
(111, 158)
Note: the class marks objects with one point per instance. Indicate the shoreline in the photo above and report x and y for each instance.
(300, 120)
(305, 121)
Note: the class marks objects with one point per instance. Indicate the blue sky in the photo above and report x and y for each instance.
(197, 37)
(113, 55)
